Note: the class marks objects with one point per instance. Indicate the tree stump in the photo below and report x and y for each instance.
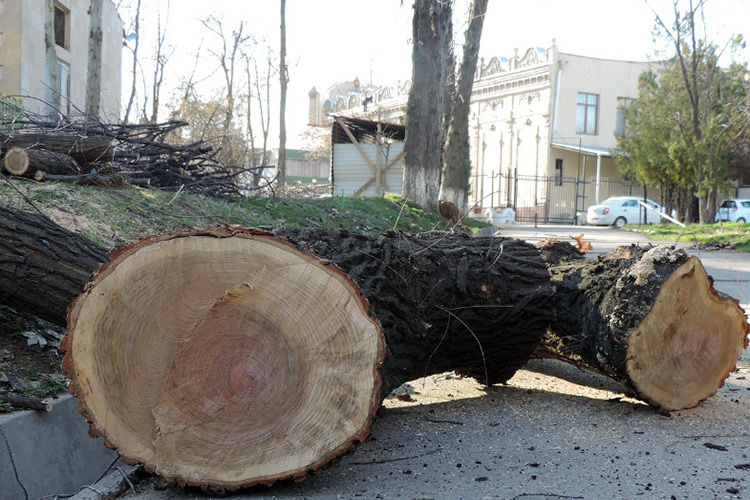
(226, 358)
(648, 319)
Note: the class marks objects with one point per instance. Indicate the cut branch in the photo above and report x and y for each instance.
(648, 319)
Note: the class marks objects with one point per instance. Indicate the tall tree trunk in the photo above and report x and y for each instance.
(456, 161)
(431, 38)
(94, 66)
(52, 91)
(284, 80)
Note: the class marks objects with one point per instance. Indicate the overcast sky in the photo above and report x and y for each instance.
(335, 40)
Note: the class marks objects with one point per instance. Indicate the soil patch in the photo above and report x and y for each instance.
(28, 368)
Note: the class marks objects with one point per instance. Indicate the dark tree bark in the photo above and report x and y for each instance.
(43, 266)
(445, 302)
(431, 40)
(648, 319)
(454, 185)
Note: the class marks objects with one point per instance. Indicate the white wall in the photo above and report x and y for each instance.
(23, 53)
(351, 172)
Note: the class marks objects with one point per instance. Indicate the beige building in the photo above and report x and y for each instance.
(544, 125)
(23, 64)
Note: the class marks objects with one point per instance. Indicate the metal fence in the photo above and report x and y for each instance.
(554, 199)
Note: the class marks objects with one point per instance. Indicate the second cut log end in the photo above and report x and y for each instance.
(688, 344)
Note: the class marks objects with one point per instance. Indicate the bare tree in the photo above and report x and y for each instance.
(227, 57)
(258, 91)
(160, 62)
(137, 32)
(284, 79)
(456, 159)
(53, 96)
(94, 73)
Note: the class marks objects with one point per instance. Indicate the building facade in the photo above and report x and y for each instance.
(24, 69)
(543, 128)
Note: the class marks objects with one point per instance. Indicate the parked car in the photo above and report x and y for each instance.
(733, 210)
(620, 210)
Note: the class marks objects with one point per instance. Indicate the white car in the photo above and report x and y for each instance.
(620, 210)
(733, 210)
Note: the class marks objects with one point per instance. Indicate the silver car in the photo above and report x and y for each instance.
(621, 210)
(733, 210)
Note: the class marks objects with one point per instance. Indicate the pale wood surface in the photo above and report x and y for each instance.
(225, 361)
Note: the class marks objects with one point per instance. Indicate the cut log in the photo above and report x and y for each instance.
(225, 358)
(84, 150)
(648, 319)
(43, 266)
(20, 161)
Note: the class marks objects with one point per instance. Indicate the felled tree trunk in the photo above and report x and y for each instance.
(446, 302)
(648, 319)
(20, 161)
(226, 357)
(82, 149)
(43, 266)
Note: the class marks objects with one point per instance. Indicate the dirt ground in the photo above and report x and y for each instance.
(28, 364)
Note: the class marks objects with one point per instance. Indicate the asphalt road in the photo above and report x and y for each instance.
(552, 432)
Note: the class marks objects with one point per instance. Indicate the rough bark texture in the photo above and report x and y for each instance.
(424, 138)
(648, 319)
(445, 302)
(52, 96)
(26, 162)
(454, 185)
(82, 149)
(43, 266)
(94, 66)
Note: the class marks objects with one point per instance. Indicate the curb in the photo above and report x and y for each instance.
(49, 454)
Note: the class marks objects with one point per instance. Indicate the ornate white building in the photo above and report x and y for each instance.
(544, 125)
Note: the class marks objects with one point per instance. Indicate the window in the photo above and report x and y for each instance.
(63, 85)
(623, 103)
(558, 172)
(586, 112)
(62, 26)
